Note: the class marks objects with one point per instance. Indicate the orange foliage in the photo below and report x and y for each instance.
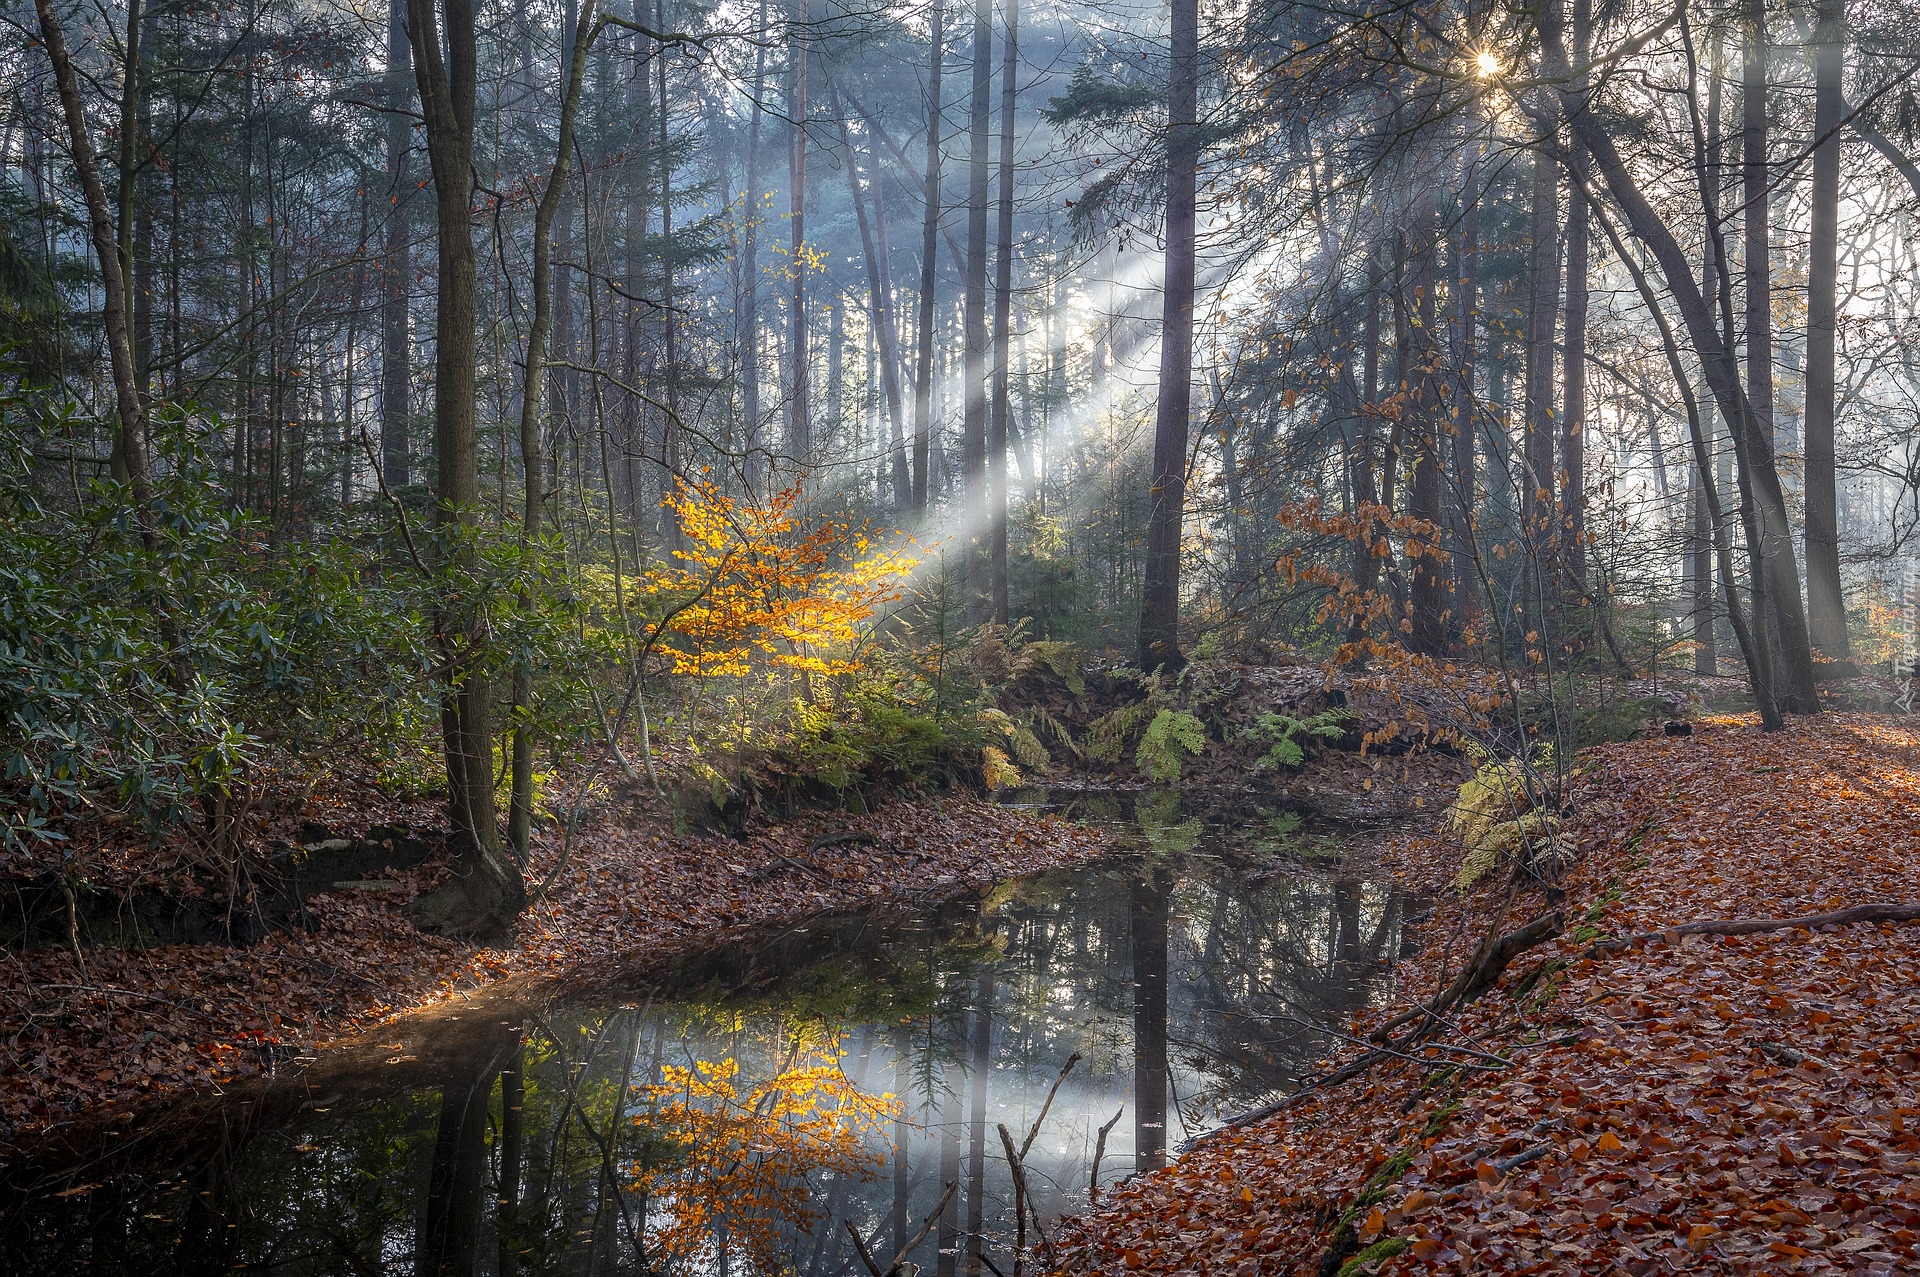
(773, 586)
(745, 1159)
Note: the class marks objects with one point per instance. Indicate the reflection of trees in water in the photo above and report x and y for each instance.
(730, 1133)
(1267, 966)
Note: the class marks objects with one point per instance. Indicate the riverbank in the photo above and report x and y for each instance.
(95, 1037)
(1704, 1102)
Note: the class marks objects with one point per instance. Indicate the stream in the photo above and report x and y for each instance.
(736, 1114)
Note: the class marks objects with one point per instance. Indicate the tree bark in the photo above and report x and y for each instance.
(1543, 312)
(1573, 372)
(1717, 362)
(670, 441)
(929, 273)
(879, 303)
(131, 443)
(488, 890)
(1784, 628)
(1426, 556)
(1826, 603)
(1000, 419)
(973, 410)
(799, 430)
(532, 451)
(1160, 603)
(748, 318)
(396, 355)
(1465, 480)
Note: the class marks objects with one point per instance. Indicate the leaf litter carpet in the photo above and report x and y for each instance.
(87, 1043)
(1710, 1104)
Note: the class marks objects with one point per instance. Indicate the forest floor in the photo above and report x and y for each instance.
(89, 1041)
(1695, 1102)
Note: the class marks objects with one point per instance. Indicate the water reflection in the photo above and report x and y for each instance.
(736, 1120)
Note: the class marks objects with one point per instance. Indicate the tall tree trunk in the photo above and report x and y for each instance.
(488, 891)
(1466, 574)
(799, 432)
(1700, 575)
(929, 271)
(1364, 399)
(889, 331)
(1826, 605)
(973, 412)
(1426, 557)
(1160, 600)
(1543, 313)
(836, 379)
(1573, 373)
(670, 441)
(532, 454)
(1000, 418)
(1794, 667)
(1770, 533)
(879, 301)
(396, 355)
(748, 317)
(131, 211)
(131, 444)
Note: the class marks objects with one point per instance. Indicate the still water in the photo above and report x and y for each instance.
(736, 1116)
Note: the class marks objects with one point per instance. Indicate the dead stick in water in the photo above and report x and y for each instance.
(1099, 1151)
(893, 1265)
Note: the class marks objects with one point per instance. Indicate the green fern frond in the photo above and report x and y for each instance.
(1171, 735)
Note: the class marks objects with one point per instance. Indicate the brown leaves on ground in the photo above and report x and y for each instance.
(1739, 1104)
(132, 1023)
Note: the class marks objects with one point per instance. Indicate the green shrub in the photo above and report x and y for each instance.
(142, 679)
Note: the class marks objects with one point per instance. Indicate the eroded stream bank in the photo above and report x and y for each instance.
(735, 1112)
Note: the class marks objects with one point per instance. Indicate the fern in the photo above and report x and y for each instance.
(1021, 743)
(1287, 732)
(1026, 747)
(1061, 657)
(1107, 736)
(1171, 735)
(1497, 818)
(1054, 728)
(999, 769)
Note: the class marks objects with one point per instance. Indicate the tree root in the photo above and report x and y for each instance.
(1751, 926)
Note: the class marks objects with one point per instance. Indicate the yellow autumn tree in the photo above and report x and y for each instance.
(770, 587)
(746, 1156)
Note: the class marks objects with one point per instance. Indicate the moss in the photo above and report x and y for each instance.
(1385, 1248)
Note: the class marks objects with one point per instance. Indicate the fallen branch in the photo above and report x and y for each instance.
(842, 836)
(803, 866)
(1752, 926)
(1482, 973)
(1495, 954)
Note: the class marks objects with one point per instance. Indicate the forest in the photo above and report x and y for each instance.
(512, 500)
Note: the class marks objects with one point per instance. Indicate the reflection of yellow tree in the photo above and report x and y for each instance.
(745, 1158)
